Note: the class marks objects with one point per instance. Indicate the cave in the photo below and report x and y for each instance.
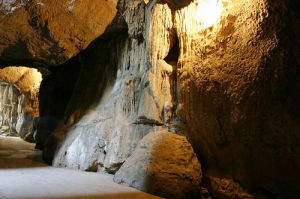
(150, 99)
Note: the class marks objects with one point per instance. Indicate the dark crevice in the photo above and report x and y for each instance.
(172, 59)
(173, 56)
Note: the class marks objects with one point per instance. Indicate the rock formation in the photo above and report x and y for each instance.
(163, 164)
(12, 105)
(225, 74)
(227, 189)
(46, 31)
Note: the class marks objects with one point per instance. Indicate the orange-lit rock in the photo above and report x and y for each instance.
(52, 31)
(237, 93)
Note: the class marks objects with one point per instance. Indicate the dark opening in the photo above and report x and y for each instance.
(173, 56)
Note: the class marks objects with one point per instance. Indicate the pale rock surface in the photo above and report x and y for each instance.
(163, 164)
(12, 109)
(137, 98)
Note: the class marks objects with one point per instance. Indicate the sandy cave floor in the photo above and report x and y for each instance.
(24, 175)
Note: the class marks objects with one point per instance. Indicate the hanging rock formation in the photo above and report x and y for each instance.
(50, 31)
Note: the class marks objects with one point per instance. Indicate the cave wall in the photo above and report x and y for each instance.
(12, 106)
(238, 83)
(118, 114)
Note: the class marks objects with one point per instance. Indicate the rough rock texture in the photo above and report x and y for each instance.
(223, 73)
(12, 106)
(50, 31)
(227, 189)
(163, 164)
(127, 101)
(19, 100)
(238, 93)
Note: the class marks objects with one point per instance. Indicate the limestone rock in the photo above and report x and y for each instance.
(51, 31)
(114, 110)
(163, 164)
(12, 108)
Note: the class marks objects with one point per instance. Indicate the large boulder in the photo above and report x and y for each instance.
(163, 164)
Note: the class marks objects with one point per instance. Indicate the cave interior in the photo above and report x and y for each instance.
(150, 99)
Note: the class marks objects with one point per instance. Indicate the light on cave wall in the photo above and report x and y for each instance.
(208, 11)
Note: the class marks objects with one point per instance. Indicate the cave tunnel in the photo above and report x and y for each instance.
(19, 101)
(150, 99)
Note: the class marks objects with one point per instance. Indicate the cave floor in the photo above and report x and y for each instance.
(24, 175)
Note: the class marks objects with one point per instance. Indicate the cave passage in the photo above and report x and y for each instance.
(23, 173)
(19, 106)
(178, 99)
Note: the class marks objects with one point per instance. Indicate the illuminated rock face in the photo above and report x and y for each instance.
(229, 84)
(237, 93)
(51, 31)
